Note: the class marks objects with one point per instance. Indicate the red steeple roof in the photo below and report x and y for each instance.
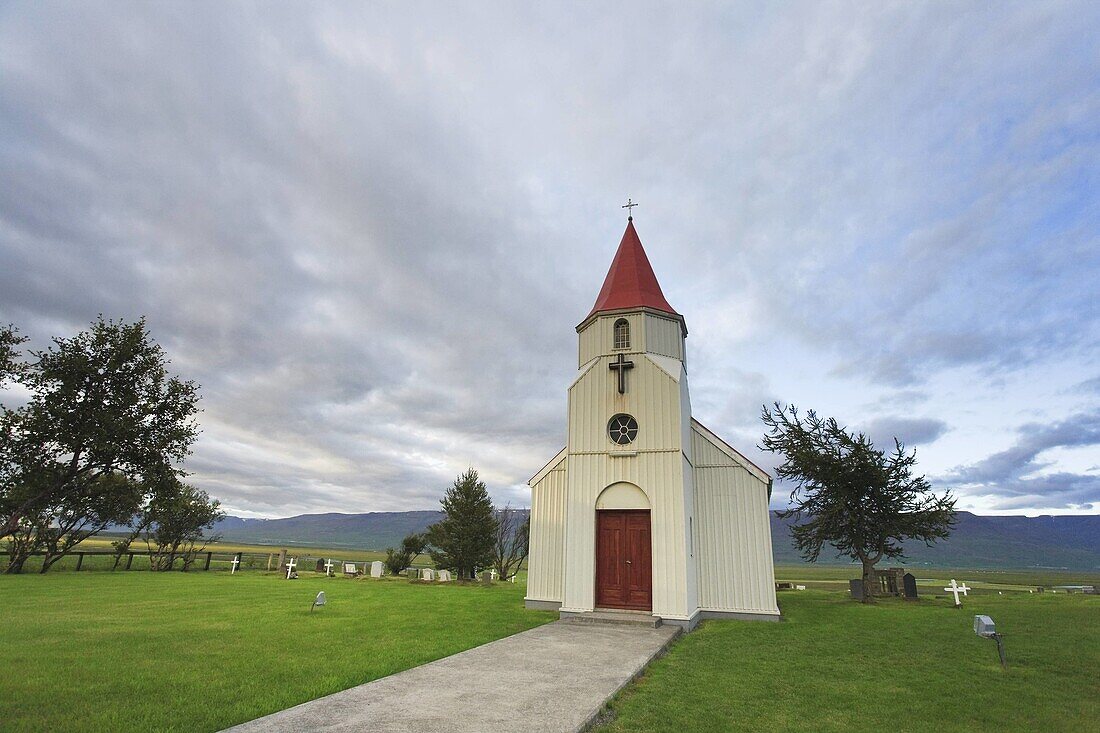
(630, 283)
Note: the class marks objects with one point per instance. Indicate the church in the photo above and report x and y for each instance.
(645, 510)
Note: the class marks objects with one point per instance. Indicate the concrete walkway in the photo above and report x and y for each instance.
(555, 677)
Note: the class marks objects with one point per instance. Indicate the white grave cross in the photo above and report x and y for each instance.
(290, 565)
(328, 566)
(954, 589)
(236, 562)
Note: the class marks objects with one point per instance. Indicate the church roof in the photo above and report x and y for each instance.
(630, 282)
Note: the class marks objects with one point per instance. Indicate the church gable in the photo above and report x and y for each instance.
(652, 396)
(708, 450)
(557, 463)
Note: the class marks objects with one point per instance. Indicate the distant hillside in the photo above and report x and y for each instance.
(373, 531)
(977, 542)
(1066, 542)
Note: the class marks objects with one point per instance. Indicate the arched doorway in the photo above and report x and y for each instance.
(624, 567)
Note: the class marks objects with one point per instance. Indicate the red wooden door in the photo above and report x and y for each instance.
(624, 572)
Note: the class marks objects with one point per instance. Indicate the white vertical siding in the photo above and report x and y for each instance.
(544, 564)
(658, 467)
(664, 336)
(733, 534)
(652, 397)
(660, 476)
(598, 338)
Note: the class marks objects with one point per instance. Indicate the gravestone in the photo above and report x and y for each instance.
(236, 563)
(282, 561)
(376, 569)
(329, 564)
(320, 566)
(351, 570)
(444, 576)
(856, 588)
(909, 582)
(427, 574)
(291, 573)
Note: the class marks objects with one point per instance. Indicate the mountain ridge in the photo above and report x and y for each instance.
(1060, 541)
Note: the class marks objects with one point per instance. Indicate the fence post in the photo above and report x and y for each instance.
(129, 560)
(208, 560)
(79, 560)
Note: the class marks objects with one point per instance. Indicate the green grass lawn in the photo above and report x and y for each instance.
(141, 651)
(837, 665)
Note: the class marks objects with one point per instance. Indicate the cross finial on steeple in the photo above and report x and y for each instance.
(629, 206)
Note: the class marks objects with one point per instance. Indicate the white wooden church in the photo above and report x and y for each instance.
(645, 509)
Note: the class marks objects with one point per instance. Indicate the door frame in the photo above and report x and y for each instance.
(596, 561)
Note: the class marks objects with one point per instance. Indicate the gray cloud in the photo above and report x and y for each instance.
(911, 431)
(368, 231)
(1009, 473)
(1089, 386)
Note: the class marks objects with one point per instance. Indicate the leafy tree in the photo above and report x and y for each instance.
(175, 521)
(24, 541)
(10, 364)
(102, 404)
(860, 500)
(11, 481)
(399, 560)
(107, 499)
(511, 542)
(463, 540)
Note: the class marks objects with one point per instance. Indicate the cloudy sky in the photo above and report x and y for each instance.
(368, 232)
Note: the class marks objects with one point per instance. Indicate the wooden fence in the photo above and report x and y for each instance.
(208, 560)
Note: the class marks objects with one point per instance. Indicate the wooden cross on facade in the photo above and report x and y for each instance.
(621, 366)
(328, 566)
(290, 565)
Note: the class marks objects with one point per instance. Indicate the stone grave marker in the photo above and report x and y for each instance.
(909, 583)
(856, 588)
(351, 570)
(282, 561)
(427, 574)
(376, 568)
(320, 566)
(444, 576)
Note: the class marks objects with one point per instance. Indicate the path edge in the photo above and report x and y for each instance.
(593, 717)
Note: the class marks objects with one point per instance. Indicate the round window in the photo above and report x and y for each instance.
(622, 429)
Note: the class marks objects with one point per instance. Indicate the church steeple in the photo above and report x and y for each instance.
(630, 282)
(630, 285)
